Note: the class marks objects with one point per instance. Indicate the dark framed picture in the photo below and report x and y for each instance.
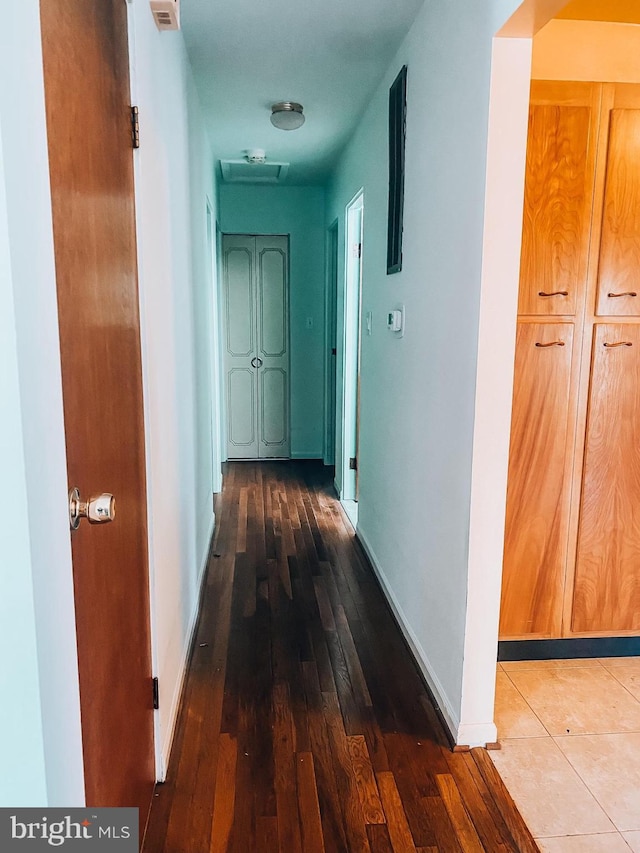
(397, 136)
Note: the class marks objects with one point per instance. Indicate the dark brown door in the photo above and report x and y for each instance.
(88, 108)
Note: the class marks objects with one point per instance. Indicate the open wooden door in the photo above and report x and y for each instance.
(90, 151)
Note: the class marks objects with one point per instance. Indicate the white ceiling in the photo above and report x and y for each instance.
(328, 55)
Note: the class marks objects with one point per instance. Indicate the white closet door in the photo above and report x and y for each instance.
(256, 289)
(272, 268)
(240, 346)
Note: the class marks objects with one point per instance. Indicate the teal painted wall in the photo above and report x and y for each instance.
(174, 181)
(299, 212)
(417, 392)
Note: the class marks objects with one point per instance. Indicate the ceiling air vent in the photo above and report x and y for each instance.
(166, 14)
(242, 172)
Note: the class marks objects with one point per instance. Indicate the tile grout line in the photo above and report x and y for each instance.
(579, 775)
(511, 681)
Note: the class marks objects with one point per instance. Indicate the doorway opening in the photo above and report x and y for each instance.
(566, 617)
(351, 348)
(504, 196)
(331, 345)
(213, 240)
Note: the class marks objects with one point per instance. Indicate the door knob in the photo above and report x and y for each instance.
(97, 510)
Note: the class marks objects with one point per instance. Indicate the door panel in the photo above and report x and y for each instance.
(91, 169)
(240, 301)
(618, 277)
(241, 349)
(607, 582)
(272, 271)
(273, 347)
(538, 492)
(274, 438)
(241, 391)
(558, 190)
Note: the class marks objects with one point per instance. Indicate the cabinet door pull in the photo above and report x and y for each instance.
(552, 344)
(626, 293)
(619, 344)
(555, 293)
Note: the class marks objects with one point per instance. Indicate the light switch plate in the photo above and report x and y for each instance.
(395, 321)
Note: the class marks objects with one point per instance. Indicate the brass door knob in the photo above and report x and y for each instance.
(97, 510)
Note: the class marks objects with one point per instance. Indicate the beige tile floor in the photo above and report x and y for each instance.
(570, 757)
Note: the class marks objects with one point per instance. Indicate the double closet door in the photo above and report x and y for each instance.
(256, 345)
(572, 542)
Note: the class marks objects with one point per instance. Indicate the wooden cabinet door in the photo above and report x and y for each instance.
(619, 267)
(538, 493)
(607, 580)
(559, 178)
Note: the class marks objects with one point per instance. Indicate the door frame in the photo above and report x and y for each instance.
(222, 331)
(351, 309)
(331, 344)
(217, 452)
(502, 237)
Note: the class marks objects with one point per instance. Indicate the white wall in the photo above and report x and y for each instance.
(40, 737)
(507, 143)
(173, 181)
(298, 211)
(21, 742)
(418, 392)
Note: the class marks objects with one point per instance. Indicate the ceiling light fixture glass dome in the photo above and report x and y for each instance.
(287, 115)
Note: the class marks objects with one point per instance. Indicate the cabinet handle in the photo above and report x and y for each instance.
(552, 344)
(619, 344)
(626, 293)
(555, 293)
(256, 362)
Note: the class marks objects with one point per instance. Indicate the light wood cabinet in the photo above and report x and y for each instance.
(538, 497)
(558, 191)
(572, 538)
(619, 261)
(607, 582)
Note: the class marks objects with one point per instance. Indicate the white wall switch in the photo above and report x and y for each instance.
(395, 321)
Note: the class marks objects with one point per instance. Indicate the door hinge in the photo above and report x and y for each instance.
(135, 127)
(334, 351)
(156, 694)
(353, 463)
(357, 250)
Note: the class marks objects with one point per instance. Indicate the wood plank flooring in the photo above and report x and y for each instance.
(305, 726)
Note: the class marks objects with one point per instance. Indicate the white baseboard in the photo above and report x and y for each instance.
(477, 734)
(172, 718)
(450, 717)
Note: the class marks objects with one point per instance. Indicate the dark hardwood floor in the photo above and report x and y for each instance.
(305, 726)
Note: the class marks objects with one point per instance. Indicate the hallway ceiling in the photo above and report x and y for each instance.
(328, 56)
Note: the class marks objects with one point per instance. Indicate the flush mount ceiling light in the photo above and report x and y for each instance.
(287, 115)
